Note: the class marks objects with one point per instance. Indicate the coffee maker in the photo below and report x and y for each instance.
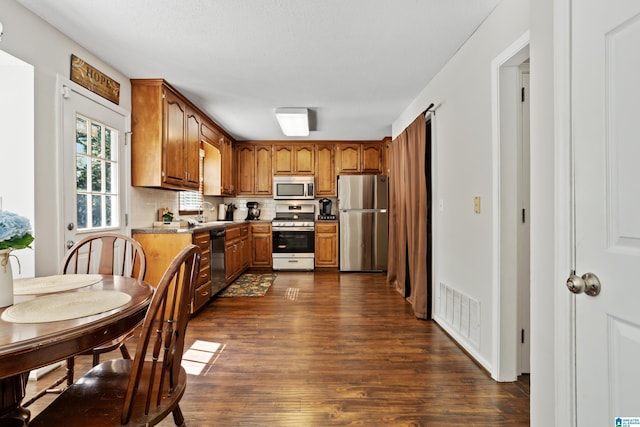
(253, 213)
(325, 209)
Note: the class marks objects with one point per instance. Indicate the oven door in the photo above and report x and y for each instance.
(293, 240)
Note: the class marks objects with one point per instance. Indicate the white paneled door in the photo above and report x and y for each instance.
(94, 185)
(606, 141)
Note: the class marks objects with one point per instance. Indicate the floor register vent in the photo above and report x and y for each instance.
(461, 312)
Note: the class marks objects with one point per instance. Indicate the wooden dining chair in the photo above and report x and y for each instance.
(106, 253)
(142, 391)
(100, 253)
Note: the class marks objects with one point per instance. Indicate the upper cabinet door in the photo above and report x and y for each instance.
(348, 158)
(282, 160)
(263, 168)
(192, 150)
(371, 161)
(303, 163)
(246, 164)
(325, 170)
(174, 123)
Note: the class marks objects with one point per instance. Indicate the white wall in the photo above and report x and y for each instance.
(463, 153)
(35, 42)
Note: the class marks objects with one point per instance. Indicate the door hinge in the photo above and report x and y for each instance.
(522, 336)
(522, 96)
(524, 218)
(126, 220)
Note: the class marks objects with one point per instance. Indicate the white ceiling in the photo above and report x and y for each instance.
(355, 63)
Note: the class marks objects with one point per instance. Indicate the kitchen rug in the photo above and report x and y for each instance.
(249, 285)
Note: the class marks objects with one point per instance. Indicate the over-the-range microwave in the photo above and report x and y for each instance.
(293, 187)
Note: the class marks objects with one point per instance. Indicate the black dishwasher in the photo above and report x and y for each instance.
(218, 281)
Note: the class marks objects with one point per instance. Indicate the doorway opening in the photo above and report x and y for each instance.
(511, 297)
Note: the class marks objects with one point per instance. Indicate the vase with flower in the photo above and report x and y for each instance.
(15, 233)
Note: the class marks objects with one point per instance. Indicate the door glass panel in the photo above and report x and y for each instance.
(101, 165)
(81, 173)
(82, 210)
(81, 135)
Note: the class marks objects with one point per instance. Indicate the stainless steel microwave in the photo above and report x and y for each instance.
(293, 187)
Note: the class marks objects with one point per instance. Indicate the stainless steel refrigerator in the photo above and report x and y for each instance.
(364, 222)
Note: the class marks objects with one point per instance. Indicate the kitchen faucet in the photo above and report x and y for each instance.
(201, 217)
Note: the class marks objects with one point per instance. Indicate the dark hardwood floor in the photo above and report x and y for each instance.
(329, 349)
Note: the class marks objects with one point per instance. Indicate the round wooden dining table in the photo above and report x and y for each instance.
(28, 346)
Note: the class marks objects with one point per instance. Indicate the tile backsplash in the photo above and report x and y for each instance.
(145, 203)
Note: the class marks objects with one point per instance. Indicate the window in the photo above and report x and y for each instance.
(190, 200)
(96, 175)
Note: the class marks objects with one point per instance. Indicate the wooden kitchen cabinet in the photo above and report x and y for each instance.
(261, 245)
(228, 159)
(326, 170)
(360, 158)
(245, 170)
(372, 154)
(326, 241)
(293, 159)
(202, 292)
(209, 133)
(386, 147)
(237, 251)
(165, 137)
(160, 249)
(254, 170)
(192, 149)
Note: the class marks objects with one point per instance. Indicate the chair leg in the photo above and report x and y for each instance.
(178, 418)
(95, 359)
(125, 352)
(53, 388)
(70, 367)
(50, 389)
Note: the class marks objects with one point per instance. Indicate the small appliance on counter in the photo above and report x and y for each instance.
(222, 212)
(230, 209)
(253, 213)
(325, 210)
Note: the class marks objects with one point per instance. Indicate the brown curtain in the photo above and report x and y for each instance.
(408, 216)
(397, 256)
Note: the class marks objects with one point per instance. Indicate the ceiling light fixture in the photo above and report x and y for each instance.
(293, 121)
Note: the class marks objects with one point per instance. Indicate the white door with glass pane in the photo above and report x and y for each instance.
(94, 167)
